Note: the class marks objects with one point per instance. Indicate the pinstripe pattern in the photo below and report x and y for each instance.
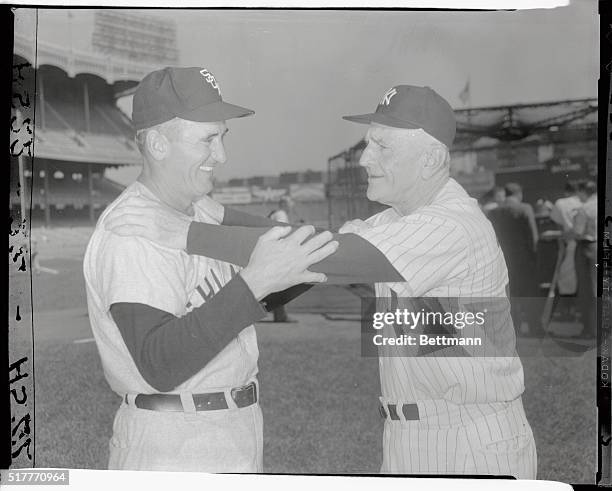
(499, 443)
(471, 414)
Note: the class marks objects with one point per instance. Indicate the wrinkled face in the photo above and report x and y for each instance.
(194, 151)
(393, 161)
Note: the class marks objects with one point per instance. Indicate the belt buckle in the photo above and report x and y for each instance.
(392, 408)
(245, 395)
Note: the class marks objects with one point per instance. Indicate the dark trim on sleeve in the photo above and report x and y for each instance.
(355, 261)
(232, 244)
(168, 350)
(233, 217)
(278, 299)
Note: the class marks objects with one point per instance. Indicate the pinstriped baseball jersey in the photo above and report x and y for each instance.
(448, 250)
(468, 406)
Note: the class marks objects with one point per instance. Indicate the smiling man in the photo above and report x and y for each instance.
(445, 411)
(173, 344)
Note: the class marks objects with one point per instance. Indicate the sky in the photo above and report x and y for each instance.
(301, 71)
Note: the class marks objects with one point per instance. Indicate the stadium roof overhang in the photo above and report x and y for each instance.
(487, 127)
(123, 75)
(512, 123)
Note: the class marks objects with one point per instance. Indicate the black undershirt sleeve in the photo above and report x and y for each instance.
(168, 350)
(235, 217)
(355, 261)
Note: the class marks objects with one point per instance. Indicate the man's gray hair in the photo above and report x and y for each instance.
(169, 128)
(442, 146)
(435, 143)
(447, 156)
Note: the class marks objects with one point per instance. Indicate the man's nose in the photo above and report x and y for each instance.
(366, 158)
(219, 153)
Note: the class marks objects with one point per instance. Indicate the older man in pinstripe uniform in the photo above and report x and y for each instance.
(444, 414)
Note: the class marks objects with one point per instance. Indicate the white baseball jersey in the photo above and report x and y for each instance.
(448, 249)
(563, 213)
(565, 210)
(135, 270)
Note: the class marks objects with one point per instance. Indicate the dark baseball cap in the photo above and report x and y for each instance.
(190, 93)
(411, 107)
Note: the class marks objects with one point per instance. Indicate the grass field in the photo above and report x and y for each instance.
(319, 396)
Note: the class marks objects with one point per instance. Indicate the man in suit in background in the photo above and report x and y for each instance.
(517, 233)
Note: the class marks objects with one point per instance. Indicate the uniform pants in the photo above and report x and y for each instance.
(226, 440)
(499, 443)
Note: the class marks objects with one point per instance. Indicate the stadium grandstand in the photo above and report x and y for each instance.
(541, 146)
(260, 194)
(79, 131)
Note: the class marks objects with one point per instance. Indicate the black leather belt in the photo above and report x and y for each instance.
(242, 396)
(411, 412)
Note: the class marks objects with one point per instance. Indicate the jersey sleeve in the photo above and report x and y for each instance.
(425, 251)
(168, 350)
(238, 218)
(130, 269)
(355, 261)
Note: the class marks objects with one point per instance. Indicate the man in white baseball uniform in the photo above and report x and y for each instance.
(563, 213)
(444, 413)
(173, 344)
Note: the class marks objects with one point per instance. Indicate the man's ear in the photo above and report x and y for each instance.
(157, 144)
(434, 161)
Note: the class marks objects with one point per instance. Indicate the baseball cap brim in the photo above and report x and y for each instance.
(216, 111)
(382, 119)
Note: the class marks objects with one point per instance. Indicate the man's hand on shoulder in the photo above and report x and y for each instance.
(152, 221)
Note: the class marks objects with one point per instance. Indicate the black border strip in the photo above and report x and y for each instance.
(603, 396)
(6, 61)
(604, 213)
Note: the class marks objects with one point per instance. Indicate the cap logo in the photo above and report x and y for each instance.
(386, 100)
(210, 79)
